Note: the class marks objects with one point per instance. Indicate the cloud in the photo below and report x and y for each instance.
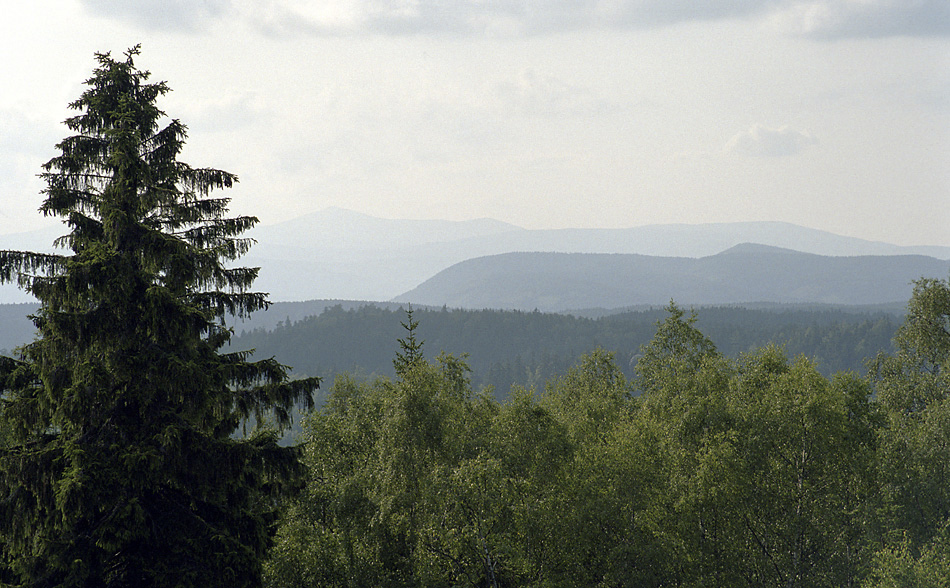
(26, 143)
(533, 93)
(502, 18)
(650, 13)
(761, 141)
(168, 15)
(224, 112)
(820, 19)
(837, 19)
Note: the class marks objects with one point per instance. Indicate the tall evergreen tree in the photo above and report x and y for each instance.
(119, 466)
(411, 354)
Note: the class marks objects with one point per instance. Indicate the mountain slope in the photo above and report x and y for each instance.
(746, 273)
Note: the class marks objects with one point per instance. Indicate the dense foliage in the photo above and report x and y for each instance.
(700, 470)
(117, 464)
(529, 348)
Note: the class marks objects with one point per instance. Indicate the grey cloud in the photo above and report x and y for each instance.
(650, 13)
(497, 18)
(839, 19)
(761, 141)
(820, 19)
(168, 15)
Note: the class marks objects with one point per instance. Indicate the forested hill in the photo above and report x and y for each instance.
(528, 348)
(16, 328)
(746, 273)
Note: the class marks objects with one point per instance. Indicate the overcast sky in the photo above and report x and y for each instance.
(832, 114)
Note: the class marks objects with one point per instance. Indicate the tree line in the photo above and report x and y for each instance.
(507, 348)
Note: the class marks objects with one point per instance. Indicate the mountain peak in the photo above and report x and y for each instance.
(758, 249)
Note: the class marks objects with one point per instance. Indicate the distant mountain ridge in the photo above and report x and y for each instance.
(342, 254)
(746, 273)
(337, 253)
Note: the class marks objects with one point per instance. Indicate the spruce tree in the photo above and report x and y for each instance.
(119, 466)
(411, 354)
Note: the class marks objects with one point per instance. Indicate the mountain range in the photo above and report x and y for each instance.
(341, 254)
(746, 273)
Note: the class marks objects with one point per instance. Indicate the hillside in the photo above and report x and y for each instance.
(747, 273)
(16, 328)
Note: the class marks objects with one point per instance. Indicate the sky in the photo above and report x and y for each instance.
(831, 114)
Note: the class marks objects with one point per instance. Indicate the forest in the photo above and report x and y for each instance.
(139, 444)
(698, 470)
(506, 348)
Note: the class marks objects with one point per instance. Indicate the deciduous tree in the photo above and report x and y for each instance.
(913, 386)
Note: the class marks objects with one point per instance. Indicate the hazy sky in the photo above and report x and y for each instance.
(833, 114)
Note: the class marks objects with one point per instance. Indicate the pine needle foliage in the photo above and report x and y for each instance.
(118, 464)
(410, 355)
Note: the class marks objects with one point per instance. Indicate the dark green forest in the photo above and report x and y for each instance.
(506, 348)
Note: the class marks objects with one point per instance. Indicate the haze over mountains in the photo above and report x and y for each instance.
(341, 254)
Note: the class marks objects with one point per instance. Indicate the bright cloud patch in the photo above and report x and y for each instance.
(765, 142)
